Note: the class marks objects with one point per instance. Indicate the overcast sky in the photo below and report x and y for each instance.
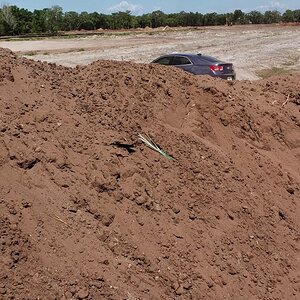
(138, 7)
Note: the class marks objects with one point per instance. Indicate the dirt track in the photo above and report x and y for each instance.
(250, 48)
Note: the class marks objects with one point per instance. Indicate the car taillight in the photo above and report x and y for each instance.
(216, 68)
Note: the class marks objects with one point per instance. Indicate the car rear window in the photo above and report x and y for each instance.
(208, 58)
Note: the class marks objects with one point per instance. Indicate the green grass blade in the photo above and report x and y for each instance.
(152, 145)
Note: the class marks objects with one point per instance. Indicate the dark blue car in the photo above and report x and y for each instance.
(198, 64)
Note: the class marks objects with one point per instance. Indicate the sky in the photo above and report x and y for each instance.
(138, 7)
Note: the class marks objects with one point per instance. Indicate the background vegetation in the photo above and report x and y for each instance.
(20, 21)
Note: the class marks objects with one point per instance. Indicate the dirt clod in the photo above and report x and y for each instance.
(83, 294)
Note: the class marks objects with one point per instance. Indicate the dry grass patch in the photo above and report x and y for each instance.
(275, 71)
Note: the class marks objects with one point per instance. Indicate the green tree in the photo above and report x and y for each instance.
(297, 15)
(157, 19)
(255, 17)
(221, 19)
(193, 19)
(121, 20)
(14, 20)
(23, 19)
(99, 20)
(238, 17)
(39, 21)
(7, 20)
(71, 20)
(86, 21)
(144, 21)
(172, 20)
(288, 16)
(272, 17)
(210, 19)
(54, 18)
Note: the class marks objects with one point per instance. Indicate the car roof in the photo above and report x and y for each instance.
(196, 58)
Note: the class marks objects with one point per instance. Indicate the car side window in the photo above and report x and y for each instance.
(164, 60)
(180, 60)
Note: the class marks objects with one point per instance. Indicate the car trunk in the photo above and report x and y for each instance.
(227, 68)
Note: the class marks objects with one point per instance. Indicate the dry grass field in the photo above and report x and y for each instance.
(256, 51)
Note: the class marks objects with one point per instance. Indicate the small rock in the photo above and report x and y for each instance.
(140, 200)
(83, 294)
(224, 121)
(176, 286)
(180, 290)
(73, 289)
(282, 215)
(68, 295)
(72, 209)
(276, 257)
(176, 210)
(224, 282)
(291, 190)
(140, 221)
(12, 211)
(108, 219)
(15, 255)
(26, 204)
(192, 216)
(260, 236)
(119, 197)
(103, 235)
(245, 207)
(230, 215)
(232, 270)
(156, 207)
(187, 285)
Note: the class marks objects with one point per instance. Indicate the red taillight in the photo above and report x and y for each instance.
(216, 68)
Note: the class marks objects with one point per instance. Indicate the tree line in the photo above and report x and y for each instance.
(20, 21)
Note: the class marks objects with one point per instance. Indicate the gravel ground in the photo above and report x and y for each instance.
(250, 48)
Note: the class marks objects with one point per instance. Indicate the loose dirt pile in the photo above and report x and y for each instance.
(89, 212)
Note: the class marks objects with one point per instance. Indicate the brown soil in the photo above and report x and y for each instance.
(83, 217)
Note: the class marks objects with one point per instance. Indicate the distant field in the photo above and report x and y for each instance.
(256, 51)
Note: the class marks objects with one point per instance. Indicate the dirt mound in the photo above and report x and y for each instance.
(89, 212)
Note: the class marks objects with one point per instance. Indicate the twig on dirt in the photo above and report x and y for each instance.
(252, 129)
(273, 102)
(286, 101)
(151, 144)
(60, 220)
